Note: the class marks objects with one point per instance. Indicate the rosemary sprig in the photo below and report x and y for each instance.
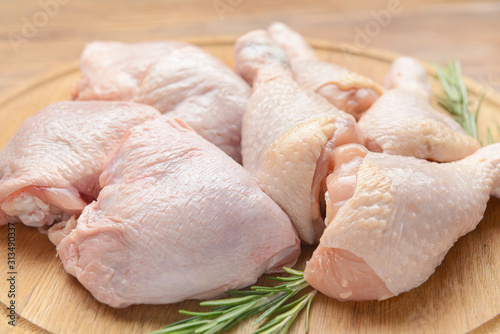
(269, 302)
(456, 100)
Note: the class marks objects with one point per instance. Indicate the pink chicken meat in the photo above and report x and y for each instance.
(175, 203)
(348, 91)
(403, 122)
(288, 133)
(50, 169)
(178, 79)
(392, 219)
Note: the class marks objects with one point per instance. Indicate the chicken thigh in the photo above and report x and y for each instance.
(403, 122)
(176, 78)
(176, 219)
(348, 91)
(288, 133)
(49, 170)
(392, 219)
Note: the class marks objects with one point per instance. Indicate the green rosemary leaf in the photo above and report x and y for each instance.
(269, 327)
(290, 305)
(289, 324)
(455, 99)
(207, 328)
(215, 329)
(228, 301)
(237, 320)
(299, 283)
(283, 321)
(293, 272)
(490, 138)
(201, 314)
(285, 279)
(308, 309)
(181, 331)
(242, 293)
(277, 304)
(176, 326)
(236, 312)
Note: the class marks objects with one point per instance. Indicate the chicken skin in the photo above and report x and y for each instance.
(346, 90)
(392, 219)
(49, 170)
(403, 122)
(178, 79)
(288, 133)
(176, 219)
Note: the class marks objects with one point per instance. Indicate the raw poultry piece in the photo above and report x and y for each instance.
(392, 219)
(176, 78)
(403, 122)
(288, 133)
(348, 91)
(176, 219)
(49, 170)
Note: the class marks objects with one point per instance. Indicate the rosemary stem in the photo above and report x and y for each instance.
(273, 303)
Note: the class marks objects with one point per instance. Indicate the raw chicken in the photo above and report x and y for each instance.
(176, 78)
(348, 91)
(408, 73)
(49, 170)
(176, 219)
(403, 122)
(288, 133)
(396, 218)
(115, 71)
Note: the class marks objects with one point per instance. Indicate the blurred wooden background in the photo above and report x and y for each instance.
(39, 35)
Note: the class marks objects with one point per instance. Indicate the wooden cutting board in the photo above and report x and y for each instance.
(463, 294)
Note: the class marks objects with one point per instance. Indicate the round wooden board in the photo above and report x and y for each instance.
(463, 294)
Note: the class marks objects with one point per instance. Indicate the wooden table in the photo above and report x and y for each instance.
(41, 36)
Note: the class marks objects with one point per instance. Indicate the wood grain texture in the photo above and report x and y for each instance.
(427, 29)
(461, 296)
